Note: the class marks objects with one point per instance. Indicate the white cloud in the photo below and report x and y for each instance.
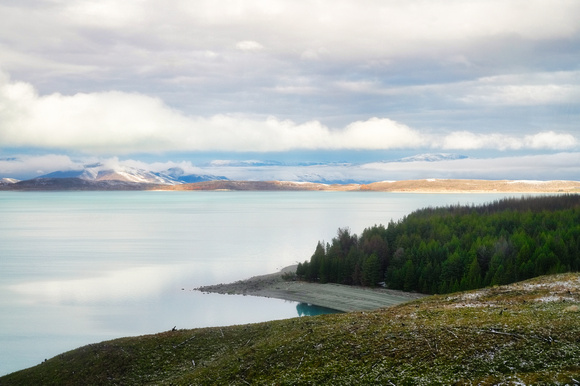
(187, 167)
(347, 60)
(32, 166)
(121, 123)
(116, 122)
(106, 13)
(524, 95)
(341, 29)
(526, 89)
(558, 166)
(547, 140)
(249, 45)
(532, 167)
(550, 140)
(378, 133)
(470, 141)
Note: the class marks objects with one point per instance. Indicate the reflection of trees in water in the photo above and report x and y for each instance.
(305, 309)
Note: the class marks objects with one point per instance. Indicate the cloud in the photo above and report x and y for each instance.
(249, 45)
(533, 167)
(550, 140)
(547, 140)
(115, 122)
(28, 166)
(558, 166)
(343, 29)
(470, 141)
(531, 89)
(523, 89)
(377, 133)
(334, 62)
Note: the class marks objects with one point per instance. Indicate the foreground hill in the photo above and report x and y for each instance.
(523, 333)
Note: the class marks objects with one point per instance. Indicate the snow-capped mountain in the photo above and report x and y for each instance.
(99, 172)
(8, 181)
(125, 174)
(179, 175)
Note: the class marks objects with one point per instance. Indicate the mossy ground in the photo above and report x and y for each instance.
(525, 333)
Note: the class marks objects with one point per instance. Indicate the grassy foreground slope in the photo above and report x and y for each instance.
(527, 332)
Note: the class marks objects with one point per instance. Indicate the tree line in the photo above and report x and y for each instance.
(455, 248)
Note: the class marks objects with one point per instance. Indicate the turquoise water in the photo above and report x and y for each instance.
(83, 267)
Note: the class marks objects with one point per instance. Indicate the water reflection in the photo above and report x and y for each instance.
(82, 267)
(305, 309)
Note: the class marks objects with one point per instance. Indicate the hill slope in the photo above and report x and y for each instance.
(526, 332)
(405, 186)
(136, 181)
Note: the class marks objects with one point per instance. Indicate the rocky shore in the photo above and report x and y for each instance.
(339, 297)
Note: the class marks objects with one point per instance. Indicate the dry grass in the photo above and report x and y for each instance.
(406, 186)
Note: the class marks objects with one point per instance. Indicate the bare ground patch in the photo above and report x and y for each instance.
(335, 296)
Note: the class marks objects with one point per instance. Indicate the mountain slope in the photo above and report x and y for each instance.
(524, 333)
(98, 172)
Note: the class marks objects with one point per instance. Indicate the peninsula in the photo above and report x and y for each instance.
(336, 296)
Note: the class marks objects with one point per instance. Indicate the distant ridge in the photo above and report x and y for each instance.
(73, 184)
(99, 172)
(405, 186)
(415, 186)
(436, 185)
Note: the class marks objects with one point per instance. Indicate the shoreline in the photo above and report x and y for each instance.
(335, 296)
(425, 186)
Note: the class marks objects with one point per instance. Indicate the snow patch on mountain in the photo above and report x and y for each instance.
(123, 173)
(6, 181)
(100, 172)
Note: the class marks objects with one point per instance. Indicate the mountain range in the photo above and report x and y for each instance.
(127, 174)
(119, 176)
(269, 175)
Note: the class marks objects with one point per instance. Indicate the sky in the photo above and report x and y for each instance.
(359, 84)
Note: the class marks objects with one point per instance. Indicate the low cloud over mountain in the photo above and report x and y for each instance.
(563, 166)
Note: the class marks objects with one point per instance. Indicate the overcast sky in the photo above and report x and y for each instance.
(361, 81)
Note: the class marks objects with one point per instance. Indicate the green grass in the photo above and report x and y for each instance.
(525, 333)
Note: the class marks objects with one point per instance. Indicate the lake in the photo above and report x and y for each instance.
(83, 267)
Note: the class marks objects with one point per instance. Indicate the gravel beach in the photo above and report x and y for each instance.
(336, 296)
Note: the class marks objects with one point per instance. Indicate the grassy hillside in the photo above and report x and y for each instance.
(528, 332)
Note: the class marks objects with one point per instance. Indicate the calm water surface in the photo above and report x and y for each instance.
(83, 267)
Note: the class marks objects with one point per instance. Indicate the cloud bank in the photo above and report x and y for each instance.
(558, 166)
(117, 122)
(331, 61)
(334, 79)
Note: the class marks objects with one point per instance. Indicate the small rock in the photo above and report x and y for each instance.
(571, 309)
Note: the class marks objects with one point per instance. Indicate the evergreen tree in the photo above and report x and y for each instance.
(457, 247)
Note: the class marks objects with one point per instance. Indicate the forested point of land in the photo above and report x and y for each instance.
(456, 248)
